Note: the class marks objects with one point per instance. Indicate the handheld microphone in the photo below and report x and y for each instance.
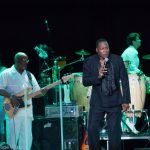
(105, 61)
(105, 65)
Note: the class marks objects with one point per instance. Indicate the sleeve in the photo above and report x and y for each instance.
(36, 86)
(131, 60)
(133, 67)
(124, 82)
(3, 80)
(90, 77)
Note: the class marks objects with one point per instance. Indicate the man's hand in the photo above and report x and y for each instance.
(15, 100)
(102, 71)
(44, 91)
(125, 107)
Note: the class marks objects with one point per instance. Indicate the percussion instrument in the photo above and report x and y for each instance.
(82, 52)
(146, 57)
(79, 92)
(45, 79)
(147, 80)
(137, 92)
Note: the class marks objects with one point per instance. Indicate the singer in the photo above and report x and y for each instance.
(104, 71)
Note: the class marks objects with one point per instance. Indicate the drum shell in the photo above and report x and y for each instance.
(79, 93)
(147, 85)
(137, 91)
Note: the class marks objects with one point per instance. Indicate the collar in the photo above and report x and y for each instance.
(15, 71)
(135, 50)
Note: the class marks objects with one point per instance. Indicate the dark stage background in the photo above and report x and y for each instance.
(74, 25)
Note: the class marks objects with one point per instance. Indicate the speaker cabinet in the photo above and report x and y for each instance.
(47, 133)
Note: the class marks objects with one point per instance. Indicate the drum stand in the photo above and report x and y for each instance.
(134, 118)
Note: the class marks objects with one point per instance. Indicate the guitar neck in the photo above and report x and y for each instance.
(31, 95)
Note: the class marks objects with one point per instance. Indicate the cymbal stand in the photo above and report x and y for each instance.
(55, 71)
(45, 63)
(81, 59)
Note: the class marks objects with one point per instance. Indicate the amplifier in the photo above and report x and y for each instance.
(52, 111)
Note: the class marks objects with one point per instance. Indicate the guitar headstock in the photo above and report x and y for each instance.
(67, 77)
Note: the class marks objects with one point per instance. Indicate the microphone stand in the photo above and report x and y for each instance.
(55, 77)
(61, 115)
(56, 71)
(60, 100)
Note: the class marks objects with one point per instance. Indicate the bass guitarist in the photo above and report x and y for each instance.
(12, 81)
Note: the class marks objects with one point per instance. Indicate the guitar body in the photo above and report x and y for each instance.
(84, 145)
(11, 110)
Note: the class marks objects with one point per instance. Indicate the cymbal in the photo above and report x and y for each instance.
(82, 52)
(147, 57)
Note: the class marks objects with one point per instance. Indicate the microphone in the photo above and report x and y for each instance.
(105, 61)
(47, 26)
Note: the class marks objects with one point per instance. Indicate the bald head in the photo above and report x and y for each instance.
(18, 56)
(21, 61)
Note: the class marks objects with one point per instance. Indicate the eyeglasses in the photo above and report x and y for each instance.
(25, 60)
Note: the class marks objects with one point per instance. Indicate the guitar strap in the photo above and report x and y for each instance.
(30, 78)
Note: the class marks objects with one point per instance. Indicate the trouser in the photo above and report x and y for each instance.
(95, 124)
(2, 131)
(19, 132)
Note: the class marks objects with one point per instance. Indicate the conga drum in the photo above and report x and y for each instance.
(79, 93)
(147, 85)
(137, 92)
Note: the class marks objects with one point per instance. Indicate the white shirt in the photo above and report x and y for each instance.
(2, 68)
(131, 55)
(14, 82)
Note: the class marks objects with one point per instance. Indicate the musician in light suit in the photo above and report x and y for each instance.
(104, 71)
(13, 81)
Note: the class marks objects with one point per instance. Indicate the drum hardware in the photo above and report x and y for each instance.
(55, 76)
(127, 128)
(41, 50)
(137, 92)
(131, 124)
(60, 67)
(74, 62)
(79, 92)
(146, 57)
(147, 81)
(82, 52)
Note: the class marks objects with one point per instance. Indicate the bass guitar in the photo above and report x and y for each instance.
(11, 110)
